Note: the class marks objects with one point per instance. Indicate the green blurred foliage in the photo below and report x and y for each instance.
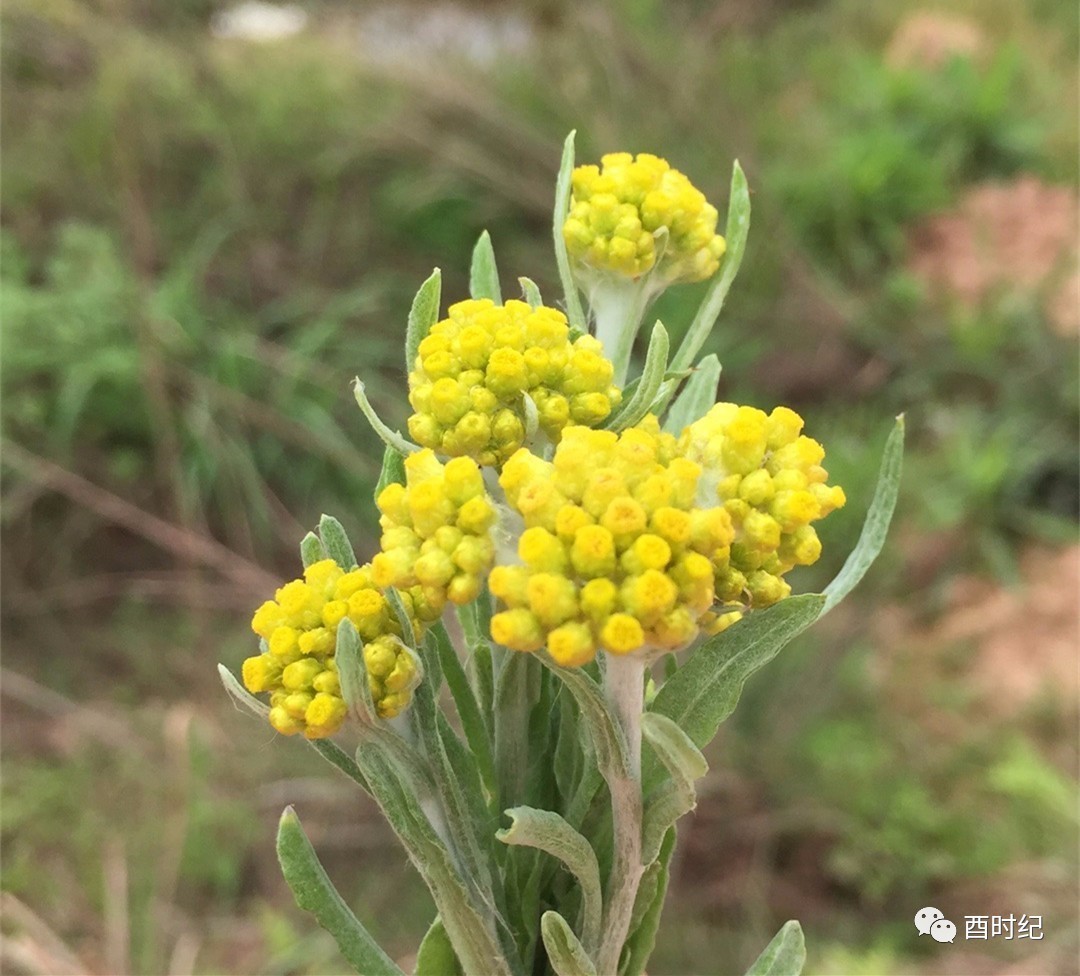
(896, 144)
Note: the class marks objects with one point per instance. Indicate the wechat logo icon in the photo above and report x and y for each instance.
(933, 923)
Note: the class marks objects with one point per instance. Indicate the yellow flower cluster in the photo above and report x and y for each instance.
(616, 554)
(436, 531)
(297, 667)
(475, 367)
(617, 209)
(769, 479)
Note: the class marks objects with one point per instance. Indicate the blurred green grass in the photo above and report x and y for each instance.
(204, 240)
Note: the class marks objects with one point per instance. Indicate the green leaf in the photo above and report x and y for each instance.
(336, 542)
(606, 735)
(666, 805)
(408, 632)
(548, 832)
(470, 928)
(336, 756)
(483, 274)
(677, 796)
(311, 550)
(652, 376)
(468, 709)
(676, 750)
(784, 956)
(696, 398)
(643, 936)
(565, 953)
(876, 524)
(481, 672)
(465, 830)
(705, 690)
(532, 417)
(738, 226)
(516, 691)
(352, 673)
(530, 292)
(391, 438)
(574, 311)
(329, 750)
(315, 893)
(241, 695)
(393, 470)
(569, 757)
(422, 316)
(436, 955)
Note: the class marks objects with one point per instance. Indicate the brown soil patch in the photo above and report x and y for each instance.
(1025, 638)
(928, 40)
(1016, 236)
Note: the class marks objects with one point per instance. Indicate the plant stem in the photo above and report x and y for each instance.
(618, 307)
(623, 686)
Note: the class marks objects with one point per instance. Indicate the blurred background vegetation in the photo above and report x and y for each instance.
(206, 234)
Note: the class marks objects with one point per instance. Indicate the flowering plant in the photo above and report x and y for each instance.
(614, 555)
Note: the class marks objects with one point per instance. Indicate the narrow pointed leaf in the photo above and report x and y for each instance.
(436, 955)
(468, 708)
(466, 836)
(784, 956)
(481, 671)
(466, 912)
(390, 437)
(674, 747)
(532, 417)
(315, 893)
(705, 690)
(531, 292)
(548, 832)
(393, 470)
(516, 691)
(607, 738)
(676, 797)
(352, 673)
(483, 273)
(336, 542)
(326, 748)
(666, 805)
(738, 226)
(241, 695)
(565, 953)
(408, 633)
(696, 398)
(422, 316)
(876, 525)
(574, 311)
(652, 377)
(311, 550)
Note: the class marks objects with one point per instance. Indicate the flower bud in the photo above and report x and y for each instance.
(299, 670)
(475, 368)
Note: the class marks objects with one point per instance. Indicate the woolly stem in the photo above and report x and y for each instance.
(623, 687)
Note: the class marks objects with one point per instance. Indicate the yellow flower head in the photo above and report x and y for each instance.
(475, 367)
(436, 532)
(615, 554)
(297, 667)
(768, 477)
(621, 211)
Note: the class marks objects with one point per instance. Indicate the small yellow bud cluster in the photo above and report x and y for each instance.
(475, 367)
(769, 479)
(436, 531)
(615, 554)
(617, 208)
(298, 668)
